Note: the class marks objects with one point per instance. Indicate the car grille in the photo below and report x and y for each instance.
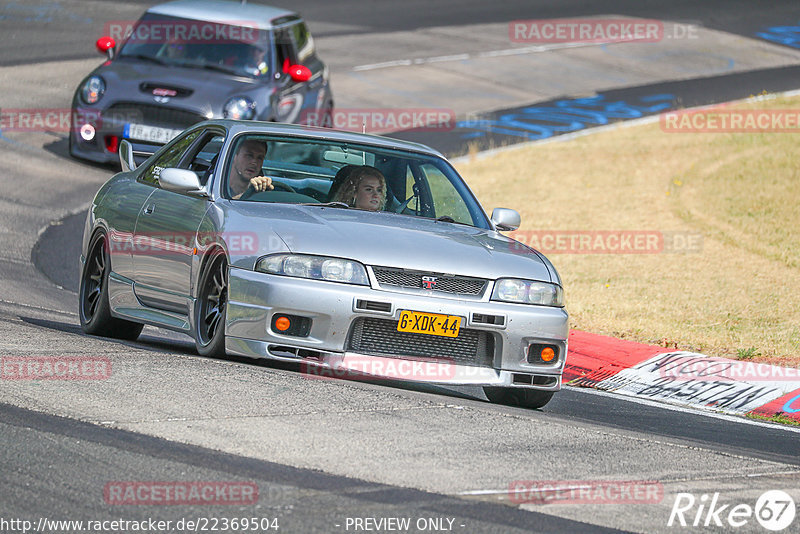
(153, 115)
(379, 337)
(444, 284)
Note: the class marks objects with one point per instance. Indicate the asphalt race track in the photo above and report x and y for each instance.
(325, 453)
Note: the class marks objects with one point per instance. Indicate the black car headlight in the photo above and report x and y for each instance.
(240, 108)
(314, 267)
(93, 89)
(528, 292)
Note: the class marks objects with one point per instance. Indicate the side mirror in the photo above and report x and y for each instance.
(506, 219)
(181, 181)
(300, 73)
(126, 160)
(106, 45)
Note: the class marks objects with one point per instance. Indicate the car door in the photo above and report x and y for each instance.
(167, 226)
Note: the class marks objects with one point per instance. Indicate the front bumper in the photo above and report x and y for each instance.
(338, 313)
(108, 126)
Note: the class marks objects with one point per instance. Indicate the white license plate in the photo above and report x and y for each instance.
(152, 134)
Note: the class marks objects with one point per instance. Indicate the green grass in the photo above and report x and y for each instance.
(739, 192)
(778, 418)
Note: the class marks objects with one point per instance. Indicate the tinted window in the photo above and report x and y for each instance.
(303, 41)
(170, 158)
(205, 158)
(285, 51)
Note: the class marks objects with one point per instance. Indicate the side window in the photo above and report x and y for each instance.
(303, 41)
(418, 192)
(205, 159)
(446, 199)
(410, 192)
(284, 48)
(168, 159)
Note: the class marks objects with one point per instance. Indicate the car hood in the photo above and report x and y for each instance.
(209, 89)
(394, 241)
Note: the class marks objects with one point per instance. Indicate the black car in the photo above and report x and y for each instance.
(191, 60)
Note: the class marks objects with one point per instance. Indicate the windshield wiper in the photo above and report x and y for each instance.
(144, 57)
(211, 66)
(447, 218)
(327, 204)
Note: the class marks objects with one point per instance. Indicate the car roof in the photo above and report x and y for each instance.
(225, 12)
(312, 132)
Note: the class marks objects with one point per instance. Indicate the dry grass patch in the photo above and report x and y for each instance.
(739, 295)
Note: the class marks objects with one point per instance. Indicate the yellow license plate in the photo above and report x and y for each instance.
(432, 324)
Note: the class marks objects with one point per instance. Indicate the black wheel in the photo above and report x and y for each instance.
(93, 307)
(527, 398)
(212, 302)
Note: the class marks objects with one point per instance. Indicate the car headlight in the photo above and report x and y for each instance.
(528, 292)
(93, 89)
(239, 107)
(314, 267)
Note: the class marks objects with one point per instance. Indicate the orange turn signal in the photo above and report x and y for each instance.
(283, 324)
(548, 354)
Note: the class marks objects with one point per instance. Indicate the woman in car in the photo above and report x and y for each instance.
(364, 188)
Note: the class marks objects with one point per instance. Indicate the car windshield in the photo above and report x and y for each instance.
(353, 176)
(172, 41)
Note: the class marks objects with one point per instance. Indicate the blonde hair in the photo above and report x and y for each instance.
(348, 191)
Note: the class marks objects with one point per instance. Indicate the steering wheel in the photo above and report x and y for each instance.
(277, 186)
(284, 187)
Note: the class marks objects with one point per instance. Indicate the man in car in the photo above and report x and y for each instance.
(246, 169)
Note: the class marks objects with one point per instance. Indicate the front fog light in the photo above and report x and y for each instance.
(87, 132)
(540, 353)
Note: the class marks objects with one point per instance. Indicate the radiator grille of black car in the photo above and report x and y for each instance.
(155, 115)
(379, 337)
(413, 280)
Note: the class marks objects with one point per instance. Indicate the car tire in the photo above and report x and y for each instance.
(526, 398)
(211, 308)
(94, 309)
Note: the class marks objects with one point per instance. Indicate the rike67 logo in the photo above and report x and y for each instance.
(774, 510)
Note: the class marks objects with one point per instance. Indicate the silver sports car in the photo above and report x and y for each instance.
(344, 252)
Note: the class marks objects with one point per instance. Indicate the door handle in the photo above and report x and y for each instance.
(149, 209)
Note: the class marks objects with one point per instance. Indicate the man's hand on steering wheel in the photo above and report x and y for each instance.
(260, 183)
